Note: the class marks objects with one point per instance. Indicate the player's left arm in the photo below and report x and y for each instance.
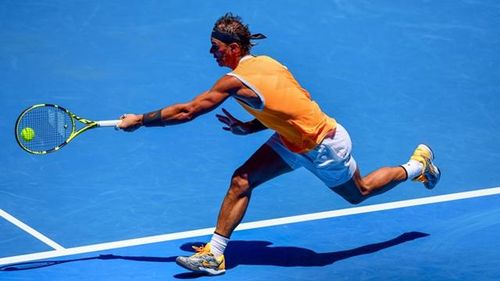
(237, 126)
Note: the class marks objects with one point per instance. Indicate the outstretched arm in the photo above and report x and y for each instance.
(183, 112)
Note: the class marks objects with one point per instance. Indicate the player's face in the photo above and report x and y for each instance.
(223, 53)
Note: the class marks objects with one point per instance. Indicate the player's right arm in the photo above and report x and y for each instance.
(184, 112)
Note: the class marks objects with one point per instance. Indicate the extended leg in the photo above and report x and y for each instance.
(262, 166)
(359, 188)
(419, 168)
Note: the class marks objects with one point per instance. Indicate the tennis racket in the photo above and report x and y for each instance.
(45, 128)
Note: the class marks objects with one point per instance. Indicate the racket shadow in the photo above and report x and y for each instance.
(47, 263)
(247, 253)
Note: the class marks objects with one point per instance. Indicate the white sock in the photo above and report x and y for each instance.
(413, 169)
(218, 244)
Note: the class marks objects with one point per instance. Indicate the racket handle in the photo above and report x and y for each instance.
(108, 123)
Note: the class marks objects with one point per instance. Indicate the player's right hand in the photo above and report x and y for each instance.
(130, 122)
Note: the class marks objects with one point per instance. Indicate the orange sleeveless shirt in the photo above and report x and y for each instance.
(287, 107)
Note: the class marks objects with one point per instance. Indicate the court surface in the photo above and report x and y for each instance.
(121, 206)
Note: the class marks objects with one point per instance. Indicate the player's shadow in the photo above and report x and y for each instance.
(263, 253)
(248, 253)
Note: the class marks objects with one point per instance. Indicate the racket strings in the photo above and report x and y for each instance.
(52, 126)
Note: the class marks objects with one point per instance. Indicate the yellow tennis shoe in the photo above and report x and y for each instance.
(203, 261)
(430, 173)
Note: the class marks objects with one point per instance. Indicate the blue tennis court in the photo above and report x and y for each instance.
(121, 206)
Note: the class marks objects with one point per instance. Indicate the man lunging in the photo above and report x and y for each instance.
(304, 136)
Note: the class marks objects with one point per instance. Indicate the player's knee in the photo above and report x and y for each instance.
(364, 187)
(350, 192)
(239, 185)
(364, 190)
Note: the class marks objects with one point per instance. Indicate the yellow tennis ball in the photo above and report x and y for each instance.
(28, 134)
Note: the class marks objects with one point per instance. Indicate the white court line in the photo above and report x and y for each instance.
(30, 230)
(251, 225)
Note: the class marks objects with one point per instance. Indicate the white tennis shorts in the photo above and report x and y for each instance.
(331, 160)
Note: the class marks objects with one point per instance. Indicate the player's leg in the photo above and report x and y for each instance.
(359, 188)
(262, 166)
(419, 168)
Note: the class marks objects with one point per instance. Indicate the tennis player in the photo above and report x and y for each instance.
(304, 136)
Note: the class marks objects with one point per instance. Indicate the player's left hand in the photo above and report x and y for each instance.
(233, 125)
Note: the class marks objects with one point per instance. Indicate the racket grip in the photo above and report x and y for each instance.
(108, 123)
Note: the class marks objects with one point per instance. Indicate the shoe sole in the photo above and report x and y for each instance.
(434, 167)
(201, 270)
(438, 177)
